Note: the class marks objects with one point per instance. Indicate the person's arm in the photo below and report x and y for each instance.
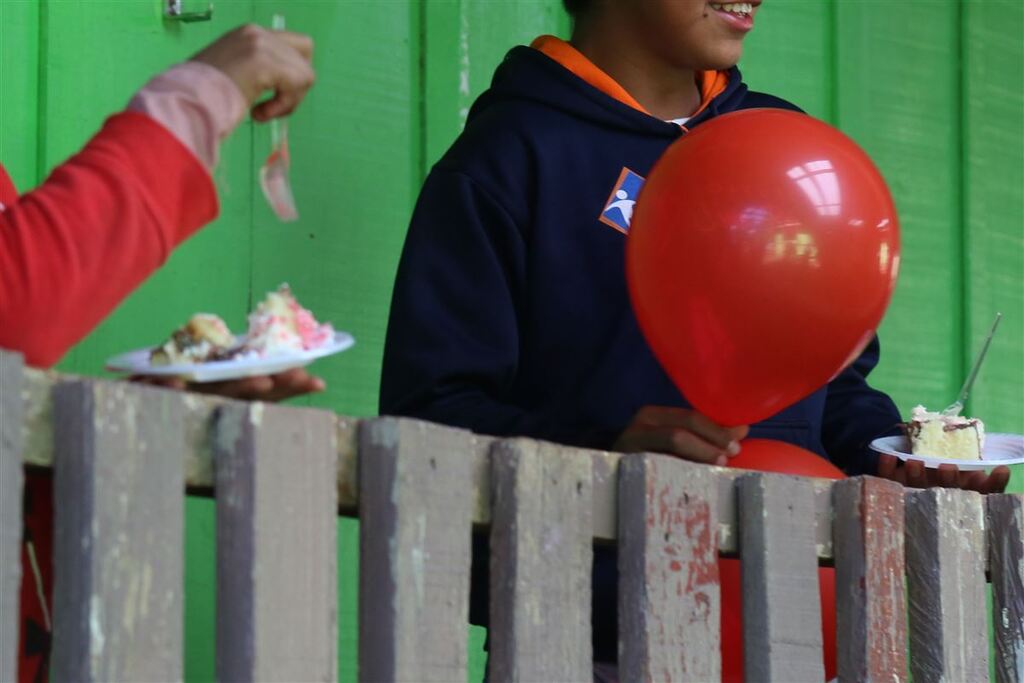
(452, 350)
(856, 414)
(452, 343)
(104, 220)
(72, 249)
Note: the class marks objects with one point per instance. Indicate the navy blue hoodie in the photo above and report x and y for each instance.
(510, 313)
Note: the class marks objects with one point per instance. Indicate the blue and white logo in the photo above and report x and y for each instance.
(618, 210)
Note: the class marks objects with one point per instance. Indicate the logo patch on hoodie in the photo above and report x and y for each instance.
(618, 210)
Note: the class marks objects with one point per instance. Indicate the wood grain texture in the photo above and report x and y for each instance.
(871, 603)
(19, 90)
(276, 544)
(909, 123)
(199, 432)
(781, 607)
(946, 585)
(993, 173)
(1005, 525)
(416, 525)
(540, 563)
(354, 147)
(11, 482)
(464, 42)
(118, 516)
(790, 55)
(669, 612)
(101, 52)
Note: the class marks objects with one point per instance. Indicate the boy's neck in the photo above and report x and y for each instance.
(665, 91)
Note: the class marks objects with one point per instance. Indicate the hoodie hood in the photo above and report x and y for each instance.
(528, 74)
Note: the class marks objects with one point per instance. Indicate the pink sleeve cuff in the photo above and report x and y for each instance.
(197, 103)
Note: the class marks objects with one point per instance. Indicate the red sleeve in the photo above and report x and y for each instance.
(8, 193)
(73, 248)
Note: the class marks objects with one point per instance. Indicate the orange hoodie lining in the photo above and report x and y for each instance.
(712, 83)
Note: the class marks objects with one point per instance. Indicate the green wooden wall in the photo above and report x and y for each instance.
(931, 88)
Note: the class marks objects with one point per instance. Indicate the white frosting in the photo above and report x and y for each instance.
(280, 324)
(949, 436)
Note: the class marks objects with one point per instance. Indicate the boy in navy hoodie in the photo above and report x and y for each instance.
(511, 314)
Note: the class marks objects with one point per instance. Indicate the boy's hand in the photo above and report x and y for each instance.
(268, 388)
(681, 432)
(913, 473)
(257, 60)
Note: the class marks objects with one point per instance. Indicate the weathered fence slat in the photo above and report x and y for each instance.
(541, 560)
(118, 533)
(11, 478)
(1006, 559)
(275, 472)
(781, 608)
(200, 409)
(946, 583)
(416, 524)
(870, 592)
(668, 571)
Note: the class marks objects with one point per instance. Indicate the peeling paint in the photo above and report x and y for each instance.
(96, 640)
(418, 558)
(464, 72)
(256, 414)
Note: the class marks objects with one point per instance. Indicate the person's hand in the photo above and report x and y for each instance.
(259, 59)
(269, 388)
(680, 432)
(914, 474)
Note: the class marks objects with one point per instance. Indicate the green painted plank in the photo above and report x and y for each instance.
(898, 89)
(19, 70)
(994, 206)
(200, 589)
(789, 54)
(355, 174)
(353, 147)
(465, 40)
(97, 54)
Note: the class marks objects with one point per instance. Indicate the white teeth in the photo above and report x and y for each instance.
(734, 7)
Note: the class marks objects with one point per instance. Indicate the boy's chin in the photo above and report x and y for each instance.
(721, 59)
(718, 55)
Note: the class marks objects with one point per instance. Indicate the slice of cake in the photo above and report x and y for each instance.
(281, 324)
(945, 436)
(204, 338)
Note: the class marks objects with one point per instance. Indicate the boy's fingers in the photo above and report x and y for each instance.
(948, 476)
(916, 474)
(997, 481)
(692, 447)
(887, 468)
(704, 427)
(671, 441)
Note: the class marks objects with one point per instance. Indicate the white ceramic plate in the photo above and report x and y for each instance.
(137, 363)
(1000, 449)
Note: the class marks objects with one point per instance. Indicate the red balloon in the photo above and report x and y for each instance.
(762, 253)
(774, 456)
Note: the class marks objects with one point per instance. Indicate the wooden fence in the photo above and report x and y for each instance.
(123, 455)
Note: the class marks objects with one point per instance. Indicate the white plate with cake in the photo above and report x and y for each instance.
(282, 335)
(942, 439)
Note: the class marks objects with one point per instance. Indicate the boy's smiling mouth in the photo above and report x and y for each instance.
(739, 15)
